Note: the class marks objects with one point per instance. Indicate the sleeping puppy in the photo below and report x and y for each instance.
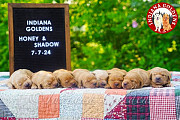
(20, 79)
(84, 78)
(116, 77)
(66, 78)
(117, 69)
(101, 76)
(160, 77)
(136, 78)
(44, 80)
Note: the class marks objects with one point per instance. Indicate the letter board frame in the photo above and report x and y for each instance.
(12, 7)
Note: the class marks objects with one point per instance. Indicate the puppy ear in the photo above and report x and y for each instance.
(169, 76)
(141, 84)
(59, 80)
(80, 84)
(107, 78)
(124, 71)
(124, 74)
(32, 75)
(93, 73)
(150, 75)
(71, 73)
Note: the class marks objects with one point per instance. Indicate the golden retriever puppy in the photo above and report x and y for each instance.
(116, 77)
(101, 76)
(44, 80)
(136, 78)
(117, 69)
(66, 78)
(160, 77)
(85, 78)
(166, 24)
(20, 79)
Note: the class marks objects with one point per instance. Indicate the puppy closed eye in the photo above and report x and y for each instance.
(19, 84)
(132, 81)
(48, 83)
(163, 75)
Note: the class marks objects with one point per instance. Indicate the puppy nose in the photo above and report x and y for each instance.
(94, 84)
(27, 85)
(116, 84)
(125, 84)
(103, 84)
(74, 85)
(158, 79)
(57, 85)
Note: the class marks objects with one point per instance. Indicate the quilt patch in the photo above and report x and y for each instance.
(93, 106)
(48, 106)
(71, 105)
(162, 104)
(4, 111)
(138, 105)
(21, 103)
(114, 104)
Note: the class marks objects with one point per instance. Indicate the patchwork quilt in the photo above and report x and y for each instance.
(91, 104)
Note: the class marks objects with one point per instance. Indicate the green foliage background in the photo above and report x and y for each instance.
(102, 36)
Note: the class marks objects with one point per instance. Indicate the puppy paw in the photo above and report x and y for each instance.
(10, 85)
(34, 86)
(158, 86)
(168, 85)
(107, 87)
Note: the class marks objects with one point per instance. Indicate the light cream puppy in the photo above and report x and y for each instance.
(44, 80)
(20, 79)
(102, 77)
(85, 78)
(66, 78)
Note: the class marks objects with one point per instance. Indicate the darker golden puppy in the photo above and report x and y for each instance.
(116, 77)
(20, 79)
(44, 80)
(66, 78)
(136, 78)
(160, 77)
(166, 24)
(85, 78)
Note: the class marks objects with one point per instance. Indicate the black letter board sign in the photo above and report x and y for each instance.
(39, 37)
